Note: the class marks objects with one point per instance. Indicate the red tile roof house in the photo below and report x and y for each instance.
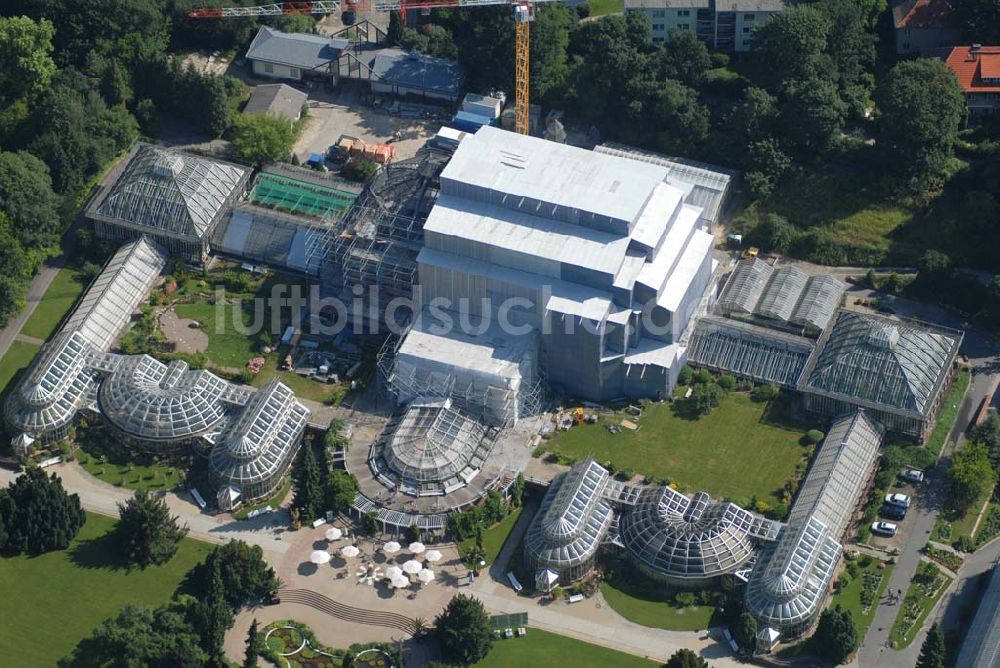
(978, 70)
(923, 26)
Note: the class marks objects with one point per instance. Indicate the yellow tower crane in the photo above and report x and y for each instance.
(524, 14)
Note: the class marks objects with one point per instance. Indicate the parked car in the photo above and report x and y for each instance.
(893, 512)
(898, 499)
(912, 475)
(884, 528)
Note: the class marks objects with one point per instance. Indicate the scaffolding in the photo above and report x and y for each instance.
(493, 404)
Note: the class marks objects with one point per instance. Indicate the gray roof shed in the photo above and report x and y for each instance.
(308, 52)
(277, 99)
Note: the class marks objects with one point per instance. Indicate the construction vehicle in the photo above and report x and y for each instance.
(750, 253)
(523, 11)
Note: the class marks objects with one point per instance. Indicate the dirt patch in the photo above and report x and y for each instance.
(185, 333)
(333, 115)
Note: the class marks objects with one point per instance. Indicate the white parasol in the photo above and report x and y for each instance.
(333, 533)
(392, 547)
(413, 567)
(400, 582)
(349, 551)
(417, 547)
(432, 556)
(425, 576)
(319, 557)
(393, 572)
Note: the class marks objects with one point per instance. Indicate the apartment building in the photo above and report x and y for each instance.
(723, 25)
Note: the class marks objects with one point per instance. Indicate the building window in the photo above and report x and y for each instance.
(746, 29)
(658, 13)
(683, 12)
(748, 17)
(268, 68)
(657, 27)
(682, 26)
(295, 73)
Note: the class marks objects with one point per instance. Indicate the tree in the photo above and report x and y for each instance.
(214, 614)
(971, 475)
(141, 636)
(790, 45)
(341, 488)
(836, 637)
(246, 577)
(980, 20)
(745, 633)
(26, 64)
(683, 57)
(308, 485)
(812, 114)
(260, 139)
(685, 658)
(933, 653)
(767, 163)
(705, 397)
(775, 233)
(27, 198)
(463, 631)
(682, 118)
(147, 533)
(255, 646)
(851, 46)
(920, 110)
(41, 516)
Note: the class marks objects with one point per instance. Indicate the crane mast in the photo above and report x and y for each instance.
(524, 14)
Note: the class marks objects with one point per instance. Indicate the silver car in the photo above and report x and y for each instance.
(901, 500)
(912, 475)
(884, 528)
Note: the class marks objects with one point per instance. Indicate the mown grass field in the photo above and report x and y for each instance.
(53, 601)
(541, 648)
(496, 536)
(646, 604)
(55, 304)
(18, 357)
(849, 597)
(741, 449)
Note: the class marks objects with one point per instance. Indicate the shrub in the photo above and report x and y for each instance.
(727, 382)
(813, 436)
(685, 375)
(360, 171)
(702, 376)
(764, 393)
(685, 599)
(965, 544)
(625, 474)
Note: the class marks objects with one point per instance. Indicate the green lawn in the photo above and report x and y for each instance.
(849, 597)
(916, 599)
(605, 7)
(57, 301)
(226, 346)
(494, 537)
(949, 411)
(306, 388)
(51, 602)
(18, 357)
(131, 476)
(540, 648)
(274, 501)
(646, 604)
(740, 450)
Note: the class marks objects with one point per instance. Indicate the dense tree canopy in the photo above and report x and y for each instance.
(146, 531)
(26, 64)
(307, 483)
(971, 475)
(341, 487)
(920, 109)
(463, 631)
(246, 577)
(933, 653)
(259, 139)
(141, 636)
(836, 637)
(685, 658)
(38, 515)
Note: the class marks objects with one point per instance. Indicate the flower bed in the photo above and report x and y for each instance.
(928, 585)
(946, 558)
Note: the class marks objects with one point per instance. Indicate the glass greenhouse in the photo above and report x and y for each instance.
(46, 401)
(895, 370)
(255, 451)
(432, 450)
(744, 287)
(173, 197)
(152, 401)
(684, 541)
(571, 523)
(744, 349)
(781, 294)
(791, 577)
